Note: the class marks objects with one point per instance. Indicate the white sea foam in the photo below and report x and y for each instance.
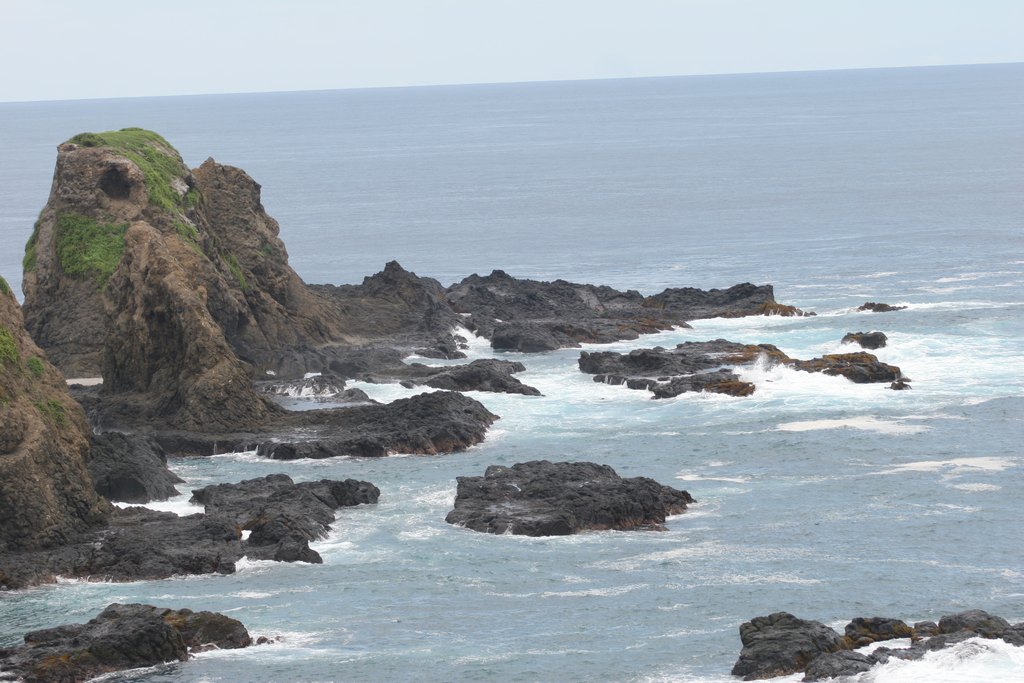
(976, 488)
(956, 466)
(866, 423)
(179, 505)
(697, 477)
(972, 661)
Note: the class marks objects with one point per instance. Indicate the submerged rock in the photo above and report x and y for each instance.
(542, 498)
(867, 340)
(860, 368)
(120, 637)
(874, 307)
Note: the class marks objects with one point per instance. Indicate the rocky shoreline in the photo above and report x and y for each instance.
(781, 644)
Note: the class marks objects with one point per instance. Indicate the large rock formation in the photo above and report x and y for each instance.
(46, 494)
(530, 316)
(542, 498)
(120, 637)
(131, 468)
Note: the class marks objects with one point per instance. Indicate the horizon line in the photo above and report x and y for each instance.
(509, 82)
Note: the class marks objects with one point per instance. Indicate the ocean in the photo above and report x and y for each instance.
(815, 496)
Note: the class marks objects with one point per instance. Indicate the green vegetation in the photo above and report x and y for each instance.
(88, 249)
(192, 197)
(188, 232)
(8, 349)
(159, 161)
(35, 366)
(28, 264)
(52, 409)
(4, 287)
(236, 270)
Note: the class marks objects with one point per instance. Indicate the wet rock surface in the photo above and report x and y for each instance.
(542, 498)
(709, 366)
(876, 307)
(866, 340)
(120, 637)
(781, 644)
(131, 468)
(531, 316)
(282, 516)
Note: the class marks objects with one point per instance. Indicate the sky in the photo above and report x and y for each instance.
(75, 49)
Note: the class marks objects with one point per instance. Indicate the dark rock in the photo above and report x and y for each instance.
(425, 424)
(131, 468)
(867, 340)
(480, 375)
(976, 621)
(324, 385)
(864, 631)
(542, 498)
(138, 544)
(690, 366)
(283, 516)
(1014, 635)
(531, 316)
(860, 368)
(874, 307)
(120, 637)
(925, 629)
(835, 664)
(781, 644)
(900, 385)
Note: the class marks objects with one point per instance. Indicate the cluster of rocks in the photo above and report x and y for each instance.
(541, 498)
(120, 637)
(781, 644)
(709, 366)
(137, 543)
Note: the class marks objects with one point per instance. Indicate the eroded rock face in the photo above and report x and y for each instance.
(542, 498)
(120, 637)
(131, 468)
(46, 494)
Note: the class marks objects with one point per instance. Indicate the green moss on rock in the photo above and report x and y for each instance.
(53, 410)
(236, 270)
(87, 248)
(8, 349)
(35, 366)
(4, 287)
(159, 162)
(28, 263)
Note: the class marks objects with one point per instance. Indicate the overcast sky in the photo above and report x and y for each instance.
(72, 49)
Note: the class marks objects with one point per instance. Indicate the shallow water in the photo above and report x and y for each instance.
(816, 496)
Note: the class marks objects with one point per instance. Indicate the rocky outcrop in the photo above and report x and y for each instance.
(142, 544)
(875, 307)
(531, 316)
(860, 368)
(867, 340)
(131, 468)
(780, 644)
(487, 374)
(282, 516)
(425, 424)
(321, 387)
(46, 495)
(542, 498)
(708, 366)
(120, 637)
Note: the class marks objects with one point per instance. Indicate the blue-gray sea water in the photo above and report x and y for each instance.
(816, 496)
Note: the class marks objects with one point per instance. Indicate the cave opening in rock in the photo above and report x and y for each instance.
(115, 184)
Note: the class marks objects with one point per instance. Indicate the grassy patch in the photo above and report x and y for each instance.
(89, 249)
(28, 263)
(35, 366)
(188, 232)
(236, 270)
(53, 410)
(4, 287)
(159, 161)
(8, 349)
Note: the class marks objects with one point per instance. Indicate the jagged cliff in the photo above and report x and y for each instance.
(46, 493)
